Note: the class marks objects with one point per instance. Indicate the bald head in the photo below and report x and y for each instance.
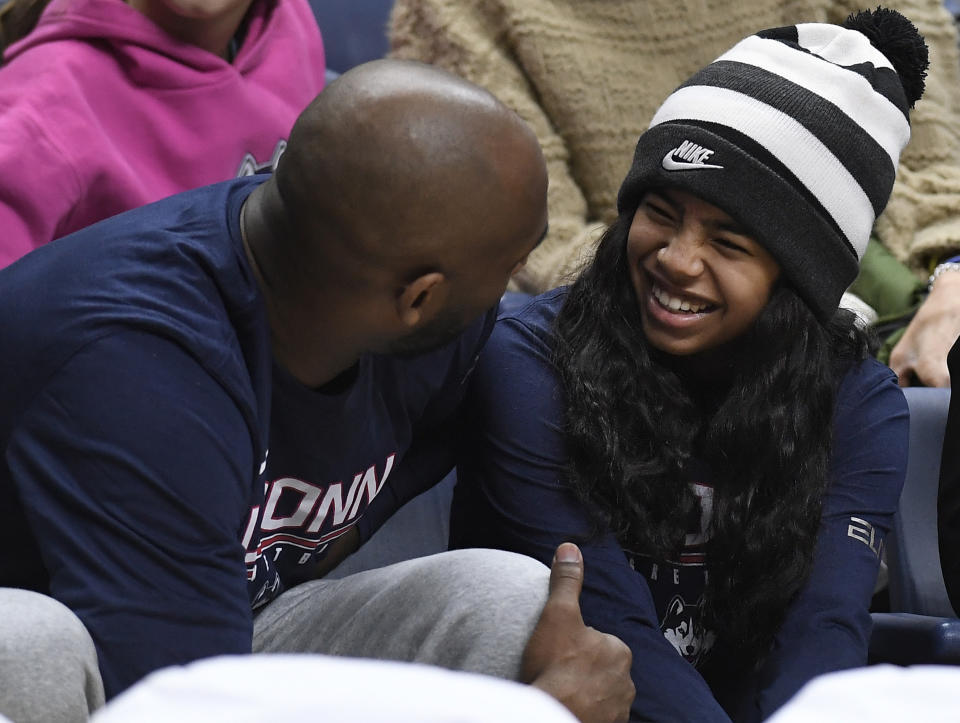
(399, 166)
(404, 200)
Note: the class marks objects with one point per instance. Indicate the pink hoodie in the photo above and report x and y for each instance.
(101, 111)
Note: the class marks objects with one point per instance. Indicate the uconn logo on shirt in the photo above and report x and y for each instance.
(303, 517)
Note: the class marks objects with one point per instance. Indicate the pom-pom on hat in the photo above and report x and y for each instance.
(795, 132)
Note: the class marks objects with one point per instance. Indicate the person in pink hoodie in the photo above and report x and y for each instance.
(107, 105)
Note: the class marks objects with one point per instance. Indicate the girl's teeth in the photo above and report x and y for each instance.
(675, 304)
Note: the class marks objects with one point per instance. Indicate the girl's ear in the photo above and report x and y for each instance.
(421, 298)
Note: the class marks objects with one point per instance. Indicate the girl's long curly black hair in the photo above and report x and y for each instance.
(634, 424)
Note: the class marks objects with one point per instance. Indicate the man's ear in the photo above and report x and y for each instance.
(419, 298)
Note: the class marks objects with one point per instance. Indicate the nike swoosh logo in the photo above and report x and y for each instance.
(672, 165)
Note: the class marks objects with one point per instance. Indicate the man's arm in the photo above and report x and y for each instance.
(135, 470)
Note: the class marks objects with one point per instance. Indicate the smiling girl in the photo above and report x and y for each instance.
(695, 410)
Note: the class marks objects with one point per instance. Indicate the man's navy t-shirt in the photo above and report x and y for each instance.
(159, 473)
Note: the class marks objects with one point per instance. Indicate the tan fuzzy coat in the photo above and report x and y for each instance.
(589, 74)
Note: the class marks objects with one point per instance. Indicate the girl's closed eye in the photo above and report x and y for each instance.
(732, 245)
(659, 211)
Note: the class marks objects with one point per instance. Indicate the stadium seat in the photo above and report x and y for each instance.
(922, 626)
(354, 31)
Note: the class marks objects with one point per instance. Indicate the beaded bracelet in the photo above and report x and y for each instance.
(951, 264)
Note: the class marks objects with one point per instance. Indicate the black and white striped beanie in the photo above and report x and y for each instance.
(795, 132)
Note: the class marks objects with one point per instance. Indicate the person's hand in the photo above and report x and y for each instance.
(586, 670)
(921, 354)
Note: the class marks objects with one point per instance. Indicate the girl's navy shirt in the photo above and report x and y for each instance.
(161, 477)
(512, 494)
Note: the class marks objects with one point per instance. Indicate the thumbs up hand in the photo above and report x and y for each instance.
(586, 670)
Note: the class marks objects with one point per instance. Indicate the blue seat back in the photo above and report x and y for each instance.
(354, 31)
(916, 580)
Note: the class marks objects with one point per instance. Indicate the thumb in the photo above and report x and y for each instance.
(566, 576)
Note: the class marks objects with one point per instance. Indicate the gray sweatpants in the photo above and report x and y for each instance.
(469, 610)
(48, 664)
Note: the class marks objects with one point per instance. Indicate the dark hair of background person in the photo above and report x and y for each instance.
(634, 425)
(17, 19)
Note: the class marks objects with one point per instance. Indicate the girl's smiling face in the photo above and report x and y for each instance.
(699, 279)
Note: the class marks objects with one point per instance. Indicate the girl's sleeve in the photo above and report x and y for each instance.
(511, 495)
(827, 628)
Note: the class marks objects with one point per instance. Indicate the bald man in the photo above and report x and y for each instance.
(200, 398)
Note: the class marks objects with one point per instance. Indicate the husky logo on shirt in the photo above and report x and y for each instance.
(249, 165)
(682, 626)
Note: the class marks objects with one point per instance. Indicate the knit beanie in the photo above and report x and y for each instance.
(796, 133)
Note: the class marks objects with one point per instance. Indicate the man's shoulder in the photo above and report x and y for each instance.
(132, 261)
(139, 271)
(213, 203)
